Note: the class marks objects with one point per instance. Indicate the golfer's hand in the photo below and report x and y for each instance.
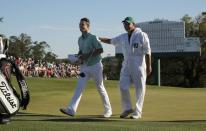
(79, 62)
(149, 70)
(83, 57)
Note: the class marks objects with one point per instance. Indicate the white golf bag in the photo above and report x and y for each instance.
(9, 102)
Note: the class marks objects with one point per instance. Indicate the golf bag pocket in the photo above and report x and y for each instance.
(9, 103)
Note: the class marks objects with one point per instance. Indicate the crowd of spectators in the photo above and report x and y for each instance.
(31, 68)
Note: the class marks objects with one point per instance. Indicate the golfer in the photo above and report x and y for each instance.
(90, 50)
(135, 67)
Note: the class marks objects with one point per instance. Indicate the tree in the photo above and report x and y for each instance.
(38, 50)
(23, 47)
(20, 46)
(50, 57)
(187, 70)
(194, 66)
(189, 25)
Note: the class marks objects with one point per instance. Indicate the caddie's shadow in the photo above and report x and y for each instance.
(55, 118)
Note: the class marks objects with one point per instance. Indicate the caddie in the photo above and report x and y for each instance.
(135, 67)
(90, 50)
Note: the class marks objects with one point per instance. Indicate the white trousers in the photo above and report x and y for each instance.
(94, 72)
(132, 73)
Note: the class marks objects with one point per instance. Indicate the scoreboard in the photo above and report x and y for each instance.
(169, 37)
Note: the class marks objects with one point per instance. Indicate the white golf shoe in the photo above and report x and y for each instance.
(67, 111)
(135, 116)
(107, 114)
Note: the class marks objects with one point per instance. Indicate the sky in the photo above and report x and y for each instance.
(57, 21)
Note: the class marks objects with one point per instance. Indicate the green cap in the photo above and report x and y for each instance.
(128, 20)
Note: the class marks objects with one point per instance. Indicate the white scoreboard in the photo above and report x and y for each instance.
(169, 37)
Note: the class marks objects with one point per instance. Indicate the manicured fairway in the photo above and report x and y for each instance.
(165, 109)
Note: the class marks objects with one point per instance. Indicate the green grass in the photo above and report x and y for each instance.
(165, 109)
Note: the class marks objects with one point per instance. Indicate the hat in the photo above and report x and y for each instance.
(128, 20)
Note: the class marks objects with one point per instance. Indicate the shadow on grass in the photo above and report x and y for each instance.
(21, 114)
(88, 118)
(55, 118)
(183, 121)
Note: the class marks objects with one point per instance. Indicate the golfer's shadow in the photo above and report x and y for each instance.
(93, 118)
(56, 118)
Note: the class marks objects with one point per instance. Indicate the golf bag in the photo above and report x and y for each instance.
(10, 100)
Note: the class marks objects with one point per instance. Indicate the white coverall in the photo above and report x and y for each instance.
(94, 72)
(133, 67)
